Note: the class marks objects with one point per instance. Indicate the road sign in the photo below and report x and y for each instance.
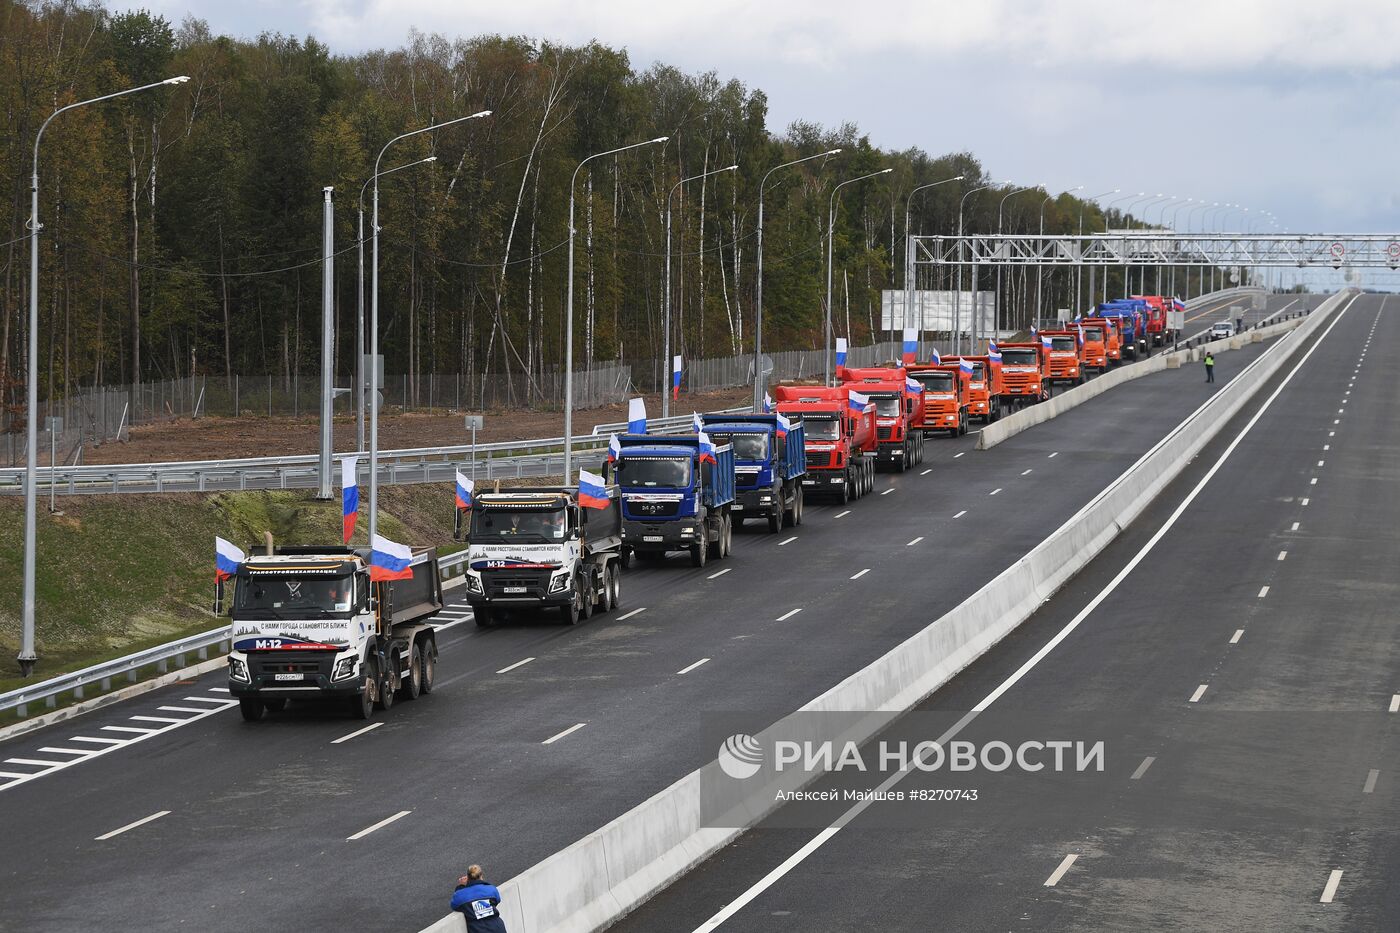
(474, 422)
(1338, 251)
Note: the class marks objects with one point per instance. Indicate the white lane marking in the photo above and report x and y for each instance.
(1321, 462)
(787, 615)
(217, 700)
(66, 751)
(1059, 873)
(1282, 555)
(141, 822)
(787, 541)
(844, 514)
(887, 491)
(83, 738)
(1200, 692)
(1313, 482)
(715, 576)
(1341, 411)
(961, 514)
(819, 840)
(218, 689)
(690, 667)
(1395, 703)
(624, 618)
(1142, 768)
(1330, 891)
(569, 731)
(1295, 526)
(180, 709)
(1235, 638)
(510, 667)
(1025, 472)
(1055, 454)
(37, 762)
(1371, 781)
(442, 627)
(345, 738)
(927, 472)
(1336, 421)
(915, 541)
(994, 491)
(380, 825)
(165, 719)
(1326, 446)
(1305, 500)
(959, 454)
(14, 774)
(860, 573)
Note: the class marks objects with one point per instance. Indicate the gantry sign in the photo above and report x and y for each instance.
(1162, 248)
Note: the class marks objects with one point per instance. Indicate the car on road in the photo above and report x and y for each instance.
(1221, 329)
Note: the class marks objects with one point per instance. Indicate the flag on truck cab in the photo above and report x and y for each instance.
(614, 448)
(389, 560)
(993, 354)
(464, 491)
(767, 403)
(349, 496)
(911, 345)
(227, 559)
(934, 357)
(637, 416)
(1178, 304)
(784, 426)
(1033, 331)
(695, 423)
(966, 368)
(676, 377)
(1046, 343)
(707, 449)
(1078, 316)
(913, 385)
(592, 491)
(858, 402)
(840, 351)
(1081, 335)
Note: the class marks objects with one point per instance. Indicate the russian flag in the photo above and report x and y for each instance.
(676, 377)
(1033, 330)
(614, 448)
(695, 422)
(840, 351)
(707, 449)
(1046, 343)
(389, 560)
(911, 345)
(349, 496)
(464, 491)
(858, 402)
(784, 426)
(1081, 335)
(966, 368)
(1178, 304)
(227, 559)
(637, 416)
(913, 385)
(1078, 317)
(993, 354)
(592, 491)
(934, 357)
(767, 402)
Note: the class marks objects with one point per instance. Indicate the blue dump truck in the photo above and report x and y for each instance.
(1133, 314)
(769, 463)
(677, 492)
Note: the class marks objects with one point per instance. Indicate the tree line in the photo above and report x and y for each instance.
(182, 227)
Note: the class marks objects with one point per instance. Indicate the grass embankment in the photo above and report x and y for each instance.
(116, 574)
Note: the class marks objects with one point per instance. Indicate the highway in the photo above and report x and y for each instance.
(1234, 646)
(191, 819)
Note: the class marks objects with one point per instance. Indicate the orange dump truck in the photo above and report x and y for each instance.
(945, 396)
(1094, 354)
(1063, 360)
(1022, 374)
(984, 385)
(1112, 331)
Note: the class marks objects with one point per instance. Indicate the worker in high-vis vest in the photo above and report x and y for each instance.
(1210, 366)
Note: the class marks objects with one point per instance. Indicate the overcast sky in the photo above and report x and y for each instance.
(1281, 105)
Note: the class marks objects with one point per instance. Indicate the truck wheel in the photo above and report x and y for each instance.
(698, 553)
(427, 664)
(583, 592)
(626, 558)
(845, 495)
(775, 521)
(726, 536)
(275, 706)
(362, 705)
(386, 683)
(962, 425)
(485, 617)
(798, 504)
(414, 684)
(251, 708)
(614, 586)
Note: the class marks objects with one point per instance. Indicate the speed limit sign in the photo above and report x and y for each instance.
(1393, 251)
(1339, 251)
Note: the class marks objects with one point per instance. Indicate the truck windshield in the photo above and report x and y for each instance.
(746, 446)
(821, 429)
(886, 406)
(284, 597)
(1093, 333)
(652, 472)
(936, 382)
(1018, 356)
(536, 525)
(1062, 343)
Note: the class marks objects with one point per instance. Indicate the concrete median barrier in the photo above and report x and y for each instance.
(604, 875)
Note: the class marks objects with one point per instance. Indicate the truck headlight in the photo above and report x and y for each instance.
(687, 531)
(238, 670)
(474, 583)
(344, 668)
(765, 500)
(559, 582)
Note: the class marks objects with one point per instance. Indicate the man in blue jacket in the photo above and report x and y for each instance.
(478, 899)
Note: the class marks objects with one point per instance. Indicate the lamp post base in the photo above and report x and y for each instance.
(26, 665)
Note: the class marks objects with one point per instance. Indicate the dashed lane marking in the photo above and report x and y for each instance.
(569, 731)
(1142, 768)
(358, 732)
(690, 667)
(624, 618)
(1235, 638)
(510, 667)
(129, 826)
(1200, 692)
(377, 826)
(860, 573)
(1059, 872)
(961, 514)
(1329, 892)
(788, 615)
(715, 576)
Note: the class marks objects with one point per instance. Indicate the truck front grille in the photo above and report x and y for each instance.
(884, 434)
(820, 459)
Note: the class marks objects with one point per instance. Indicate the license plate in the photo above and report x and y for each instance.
(288, 676)
(737, 507)
(513, 589)
(809, 482)
(652, 539)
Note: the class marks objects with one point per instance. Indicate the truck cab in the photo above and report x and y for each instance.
(1156, 317)
(676, 496)
(540, 550)
(983, 387)
(899, 414)
(838, 436)
(945, 397)
(769, 463)
(1022, 374)
(1063, 361)
(308, 623)
(1095, 354)
(1131, 315)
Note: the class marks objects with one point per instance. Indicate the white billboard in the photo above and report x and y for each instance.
(935, 311)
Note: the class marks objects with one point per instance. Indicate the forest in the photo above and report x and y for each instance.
(182, 227)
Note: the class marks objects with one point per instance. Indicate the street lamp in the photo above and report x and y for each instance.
(957, 296)
(996, 322)
(1078, 287)
(666, 315)
(909, 252)
(26, 656)
(374, 322)
(758, 291)
(360, 308)
(830, 235)
(1040, 272)
(1131, 199)
(569, 307)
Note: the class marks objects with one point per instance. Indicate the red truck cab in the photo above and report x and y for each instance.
(1112, 338)
(945, 397)
(838, 436)
(1156, 317)
(899, 414)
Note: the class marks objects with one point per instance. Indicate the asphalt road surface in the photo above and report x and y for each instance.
(189, 818)
(1235, 646)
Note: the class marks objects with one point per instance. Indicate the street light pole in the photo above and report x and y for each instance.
(1001, 211)
(666, 305)
(569, 307)
(27, 657)
(360, 309)
(758, 289)
(1078, 287)
(957, 296)
(830, 234)
(909, 254)
(1130, 198)
(374, 321)
(1039, 272)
